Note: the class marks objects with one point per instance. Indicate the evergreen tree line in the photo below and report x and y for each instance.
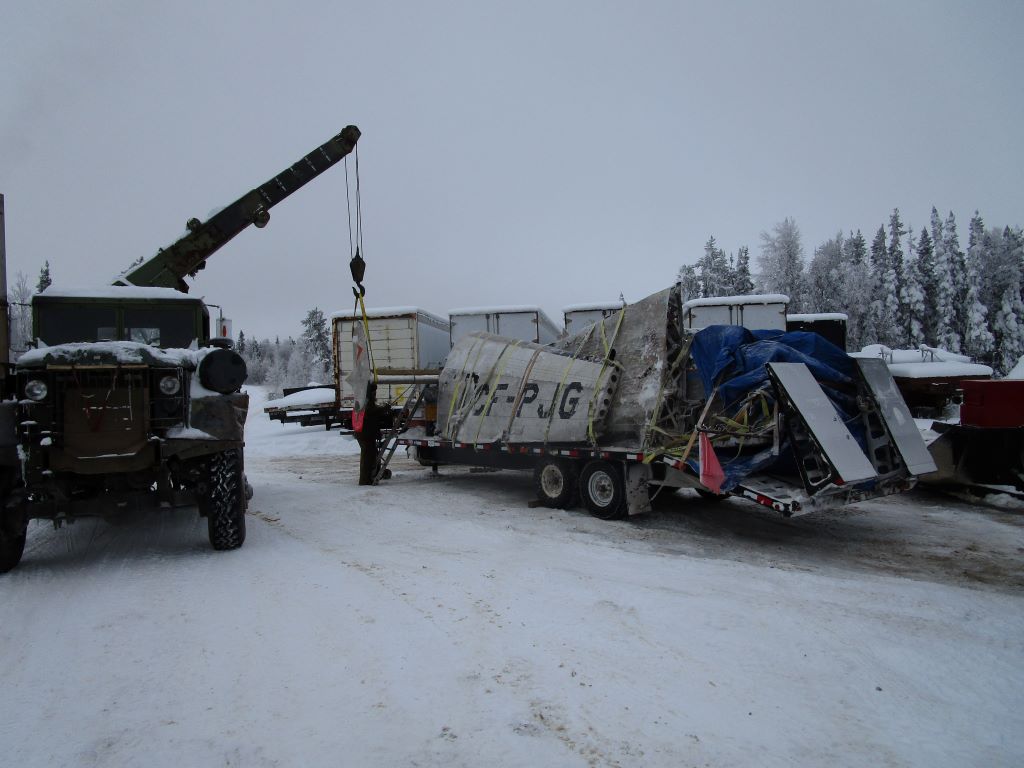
(293, 362)
(904, 289)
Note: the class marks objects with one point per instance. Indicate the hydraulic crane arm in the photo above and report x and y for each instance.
(188, 255)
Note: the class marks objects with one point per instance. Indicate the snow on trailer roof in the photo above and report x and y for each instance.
(923, 370)
(509, 309)
(924, 363)
(593, 307)
(386, 312)
(755, 298)
(118, 292)
(816, 316)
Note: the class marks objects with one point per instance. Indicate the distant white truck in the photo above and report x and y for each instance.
(403, 341)
(764, 311)
(579, 316)
(526, 323)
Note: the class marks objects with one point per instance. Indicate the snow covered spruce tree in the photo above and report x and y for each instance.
(825, 287)
(781, 263)
(885, 299)
(958, 277)
(316, 341)
(743, 282)
(941, 281)
(912, 295)
(45, 281)
(689, 282)
(978, 340)
(856, 303)
(895, 259)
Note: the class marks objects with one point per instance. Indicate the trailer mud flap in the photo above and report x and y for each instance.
(897, 417)
(826, 452)
(638, 497)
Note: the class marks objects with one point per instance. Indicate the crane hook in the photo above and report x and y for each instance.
(358, 268)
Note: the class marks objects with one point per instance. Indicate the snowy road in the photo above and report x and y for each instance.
(441, 622)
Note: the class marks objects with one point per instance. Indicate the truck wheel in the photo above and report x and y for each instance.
(224, 500)
(603, 490)
(12, 547)
(555, 481)
(12, 535)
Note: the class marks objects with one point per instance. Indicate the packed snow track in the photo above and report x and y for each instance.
(440, 621)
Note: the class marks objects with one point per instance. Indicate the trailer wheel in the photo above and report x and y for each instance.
(555, 481)
(603, 490)
(711, 495)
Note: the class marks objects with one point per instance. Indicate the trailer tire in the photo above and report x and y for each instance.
(711, 495)
(556, 483)
(603, 489)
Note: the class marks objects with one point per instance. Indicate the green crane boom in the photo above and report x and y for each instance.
(188, 255)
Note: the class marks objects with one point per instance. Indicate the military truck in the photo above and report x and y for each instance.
(127, 402)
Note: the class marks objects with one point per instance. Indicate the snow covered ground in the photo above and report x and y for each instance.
(439, 621)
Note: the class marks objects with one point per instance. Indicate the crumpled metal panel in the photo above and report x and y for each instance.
(897, 417)
(221, 417)
(641, 351)
(493, 388)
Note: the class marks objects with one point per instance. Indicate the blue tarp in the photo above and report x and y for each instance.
(733, 359)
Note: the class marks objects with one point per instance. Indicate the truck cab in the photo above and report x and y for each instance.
(123, 404)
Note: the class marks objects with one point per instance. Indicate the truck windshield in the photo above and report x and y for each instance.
(167, 327)
(69, 323)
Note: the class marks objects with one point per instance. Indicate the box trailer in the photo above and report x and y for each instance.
(526, 323)
(766, 311)
(643, 402)
(403, 341)
(829, 325)
(578, 316)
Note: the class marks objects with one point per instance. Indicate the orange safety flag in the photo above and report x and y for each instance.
(711, 474)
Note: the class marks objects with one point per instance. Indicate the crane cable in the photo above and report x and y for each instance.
(356, 265)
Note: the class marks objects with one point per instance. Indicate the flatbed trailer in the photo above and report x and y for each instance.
(640, 402)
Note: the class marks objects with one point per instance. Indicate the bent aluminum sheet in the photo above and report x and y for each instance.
(493, 388)
(897, 416)
(639, 338)
(830, 433)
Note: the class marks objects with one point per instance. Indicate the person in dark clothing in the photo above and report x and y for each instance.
(375, 418)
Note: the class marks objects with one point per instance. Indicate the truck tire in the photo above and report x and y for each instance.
(603, 490)
(12, 547)
(12, 535)
(556, 483)
(224, 500)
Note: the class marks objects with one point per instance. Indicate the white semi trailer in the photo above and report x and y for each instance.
(578, 316)
(643, 401)
(403, 341)
(526, 323)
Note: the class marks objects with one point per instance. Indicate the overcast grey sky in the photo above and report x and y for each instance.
(513, 153)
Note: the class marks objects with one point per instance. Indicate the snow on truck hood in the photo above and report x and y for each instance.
(110, 353)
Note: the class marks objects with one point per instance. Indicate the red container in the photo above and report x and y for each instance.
(992, 403)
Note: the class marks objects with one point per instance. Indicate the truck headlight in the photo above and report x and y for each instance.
(170, 385)
(36, 389)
